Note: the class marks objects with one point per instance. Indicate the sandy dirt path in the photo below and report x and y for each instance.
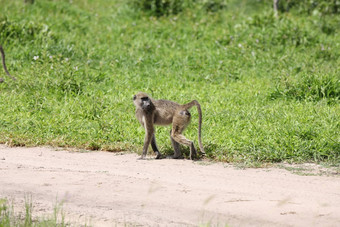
(108, 189)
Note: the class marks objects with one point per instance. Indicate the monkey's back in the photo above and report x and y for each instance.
(165, 111)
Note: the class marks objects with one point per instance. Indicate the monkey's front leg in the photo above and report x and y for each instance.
(147, 140)
(149, 133)
(154, 147)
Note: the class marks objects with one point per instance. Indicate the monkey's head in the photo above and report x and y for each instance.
(143, 101)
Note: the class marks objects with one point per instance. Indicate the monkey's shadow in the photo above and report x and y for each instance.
(168, 152)
(209, 148)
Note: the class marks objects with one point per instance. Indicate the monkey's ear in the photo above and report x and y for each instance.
(134, 97)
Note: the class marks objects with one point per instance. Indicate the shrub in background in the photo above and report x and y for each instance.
(311, 6)
(23, 31)
(172, 7)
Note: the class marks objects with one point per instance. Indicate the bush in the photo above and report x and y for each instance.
(284, 31)
(214, 5)
(23, 31)
(311, 6)
(172, 7)
(159, 7)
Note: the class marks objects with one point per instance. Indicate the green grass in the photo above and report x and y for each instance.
(269, 87)
(10, 217)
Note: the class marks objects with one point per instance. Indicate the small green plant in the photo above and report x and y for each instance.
(9, 217)
(4, 213)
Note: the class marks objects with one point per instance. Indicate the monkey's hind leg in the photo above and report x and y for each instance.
(179, 138)
(155, 148)
(177, 149)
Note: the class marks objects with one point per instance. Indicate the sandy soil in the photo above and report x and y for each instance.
(109, 189)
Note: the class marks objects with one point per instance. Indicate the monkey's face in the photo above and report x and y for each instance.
(146, 103)
(142, 101)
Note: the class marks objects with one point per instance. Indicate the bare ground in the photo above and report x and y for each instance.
(109, 189)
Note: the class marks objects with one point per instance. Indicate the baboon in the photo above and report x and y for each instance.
(4, 64)
(150, 112)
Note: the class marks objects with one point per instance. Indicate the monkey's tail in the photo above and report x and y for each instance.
(4, 63)
(188, 106)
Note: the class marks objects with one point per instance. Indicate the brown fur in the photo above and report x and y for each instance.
(150, 112)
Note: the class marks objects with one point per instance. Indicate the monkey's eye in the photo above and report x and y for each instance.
(145, 98)
(134, 97)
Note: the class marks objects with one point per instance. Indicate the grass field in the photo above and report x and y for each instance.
(269, 87)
